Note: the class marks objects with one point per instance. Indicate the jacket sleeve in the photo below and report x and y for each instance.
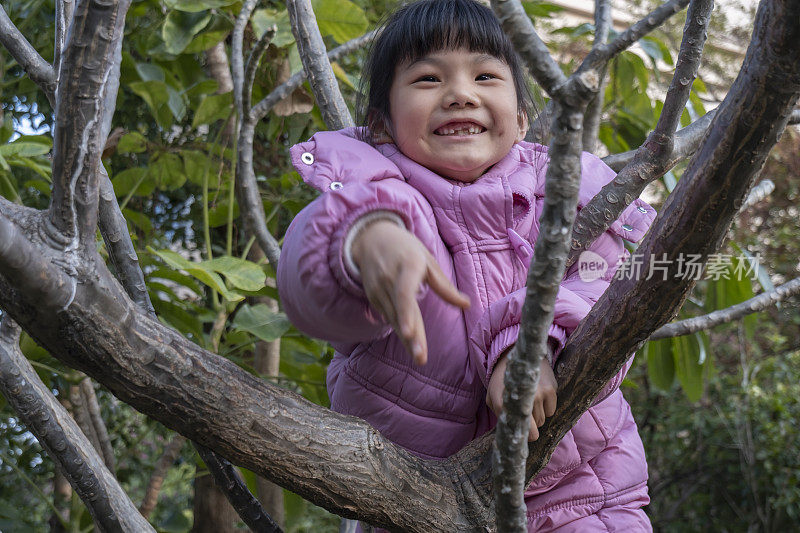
(499, 327)
(318, 292)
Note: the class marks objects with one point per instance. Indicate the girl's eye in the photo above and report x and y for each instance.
(427, 78)
(485, 76)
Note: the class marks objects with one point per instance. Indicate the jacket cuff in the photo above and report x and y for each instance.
(336, 251)
(507, 337)
(365, 220)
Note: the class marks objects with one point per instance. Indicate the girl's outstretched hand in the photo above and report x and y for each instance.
(544, 402)
(394, 264)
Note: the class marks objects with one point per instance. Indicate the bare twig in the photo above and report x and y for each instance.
(594, 111)
(228, 479)
(252, 65)
(39, 70)
(317, 65)
(721, 316)
(603, 54)
(89, 66)
(237, 53)
(81, 415)
(280, 92)
(93, 409)
(653, 157)
(533, 51)
(58, 434)
(171, 452)
(686, 142)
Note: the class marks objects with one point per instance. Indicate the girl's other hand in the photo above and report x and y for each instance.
(393, 265)
(544, 402)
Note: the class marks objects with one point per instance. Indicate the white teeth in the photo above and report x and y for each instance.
(471, 130)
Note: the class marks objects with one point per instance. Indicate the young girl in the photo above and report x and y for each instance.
(413, 262)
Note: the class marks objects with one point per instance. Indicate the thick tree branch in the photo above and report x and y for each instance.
(228, 479)
(280, 92)
(594, 111)
(694, 220)
(685, 144)
(735, 312)
(39, 70)
(531, 48)
(87, 89)
(317, 65)
(58, 434)
(653, 157)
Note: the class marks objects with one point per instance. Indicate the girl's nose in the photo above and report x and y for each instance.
(460, 95)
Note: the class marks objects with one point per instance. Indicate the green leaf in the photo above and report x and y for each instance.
(132, 143)
(24, 149)
(343, 76)
(261, 321)
(341, 19)
(213, 107)
(194, 6)
(8, 189)
(176, 103)
(167, 170)
(197, 166)
(156, 95)
(241, 273)
(140, 220)
(204, 41)
(263, 19)
(198, 270)
(178, 318)
(150, 72)
(180, 27)
(133, 179)
(687, 366)
(660, 363)
(218, 214)
(537, 9)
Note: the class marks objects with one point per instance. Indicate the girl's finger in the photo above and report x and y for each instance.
(533, 434)
(442, 286)
(538, 412)
(409, 316)
(550, 402)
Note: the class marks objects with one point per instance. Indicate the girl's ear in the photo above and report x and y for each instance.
(381, 132)
(522, 122)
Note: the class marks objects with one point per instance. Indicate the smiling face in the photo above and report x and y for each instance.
(455, 112)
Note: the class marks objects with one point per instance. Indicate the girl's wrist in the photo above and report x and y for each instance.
(353, 242)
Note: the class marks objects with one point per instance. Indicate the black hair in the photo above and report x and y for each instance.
(424, 27)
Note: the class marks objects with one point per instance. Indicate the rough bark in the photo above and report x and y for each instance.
(594, 111)
(653, 157)
(63, 441)
(694, 219)
(317, 65)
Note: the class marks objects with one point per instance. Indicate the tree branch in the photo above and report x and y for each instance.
(64, 11)
(237, 54)
(93, 409)
(594, 111)
(228, 479)
(685, 144)
(601, 55)
(250, 70)
(317, 66)
(653, 157)
(87, 90)
(39, 70)
(694, 220)
(110, 507)
(280, 92)
(721, 316)
(534, 52)
(114, 230)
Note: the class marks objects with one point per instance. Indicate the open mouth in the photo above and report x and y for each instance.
(459, 129)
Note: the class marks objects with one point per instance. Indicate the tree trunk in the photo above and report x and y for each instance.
(212, 512)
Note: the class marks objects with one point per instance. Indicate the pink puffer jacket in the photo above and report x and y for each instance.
(482, 235)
